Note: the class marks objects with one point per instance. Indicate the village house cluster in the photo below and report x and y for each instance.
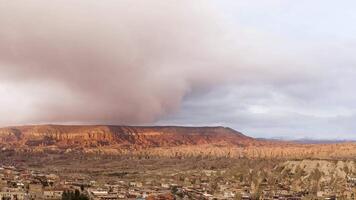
(23, 184)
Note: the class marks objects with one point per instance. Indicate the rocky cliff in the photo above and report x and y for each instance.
(123, 136)
(160, 141)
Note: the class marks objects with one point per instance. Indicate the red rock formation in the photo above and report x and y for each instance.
(168, 141)
(132, 136)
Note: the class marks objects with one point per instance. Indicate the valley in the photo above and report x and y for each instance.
(180, 163)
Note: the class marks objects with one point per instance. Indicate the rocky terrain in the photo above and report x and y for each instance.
(190, 157)
(123, 137)
(328, 169)
(161, 141)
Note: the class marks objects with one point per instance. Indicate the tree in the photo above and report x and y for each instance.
(70, 195)
(174, 190)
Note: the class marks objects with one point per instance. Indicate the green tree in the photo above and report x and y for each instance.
(70, 195)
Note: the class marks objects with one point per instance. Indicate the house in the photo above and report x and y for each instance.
(12, 194)
(35, 191)
(52, 194)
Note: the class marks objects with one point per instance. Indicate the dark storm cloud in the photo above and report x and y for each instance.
(106, 61)
(121, 61)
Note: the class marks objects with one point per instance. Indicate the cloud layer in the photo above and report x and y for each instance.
(304, 80)
(267, 68)
(108, 61)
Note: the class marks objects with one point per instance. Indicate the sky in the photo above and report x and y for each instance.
(272, 69)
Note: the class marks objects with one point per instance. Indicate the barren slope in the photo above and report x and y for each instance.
(125, 136)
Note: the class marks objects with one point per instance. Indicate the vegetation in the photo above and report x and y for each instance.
(70, 195)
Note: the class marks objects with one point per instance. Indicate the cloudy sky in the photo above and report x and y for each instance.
(274, 68)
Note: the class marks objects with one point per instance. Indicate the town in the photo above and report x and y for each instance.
(18, 183)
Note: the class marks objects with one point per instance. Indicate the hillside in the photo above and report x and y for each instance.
(160, 141)
(119, 136)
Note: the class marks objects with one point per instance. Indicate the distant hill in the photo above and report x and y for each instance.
(124, 136)
(326, 141)
(159, 141)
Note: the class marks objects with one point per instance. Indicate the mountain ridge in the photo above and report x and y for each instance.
(157, 141)
(123, 136)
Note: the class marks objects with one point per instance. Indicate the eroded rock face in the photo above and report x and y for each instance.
(167, 141)
(328, 169)
(138, 137)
